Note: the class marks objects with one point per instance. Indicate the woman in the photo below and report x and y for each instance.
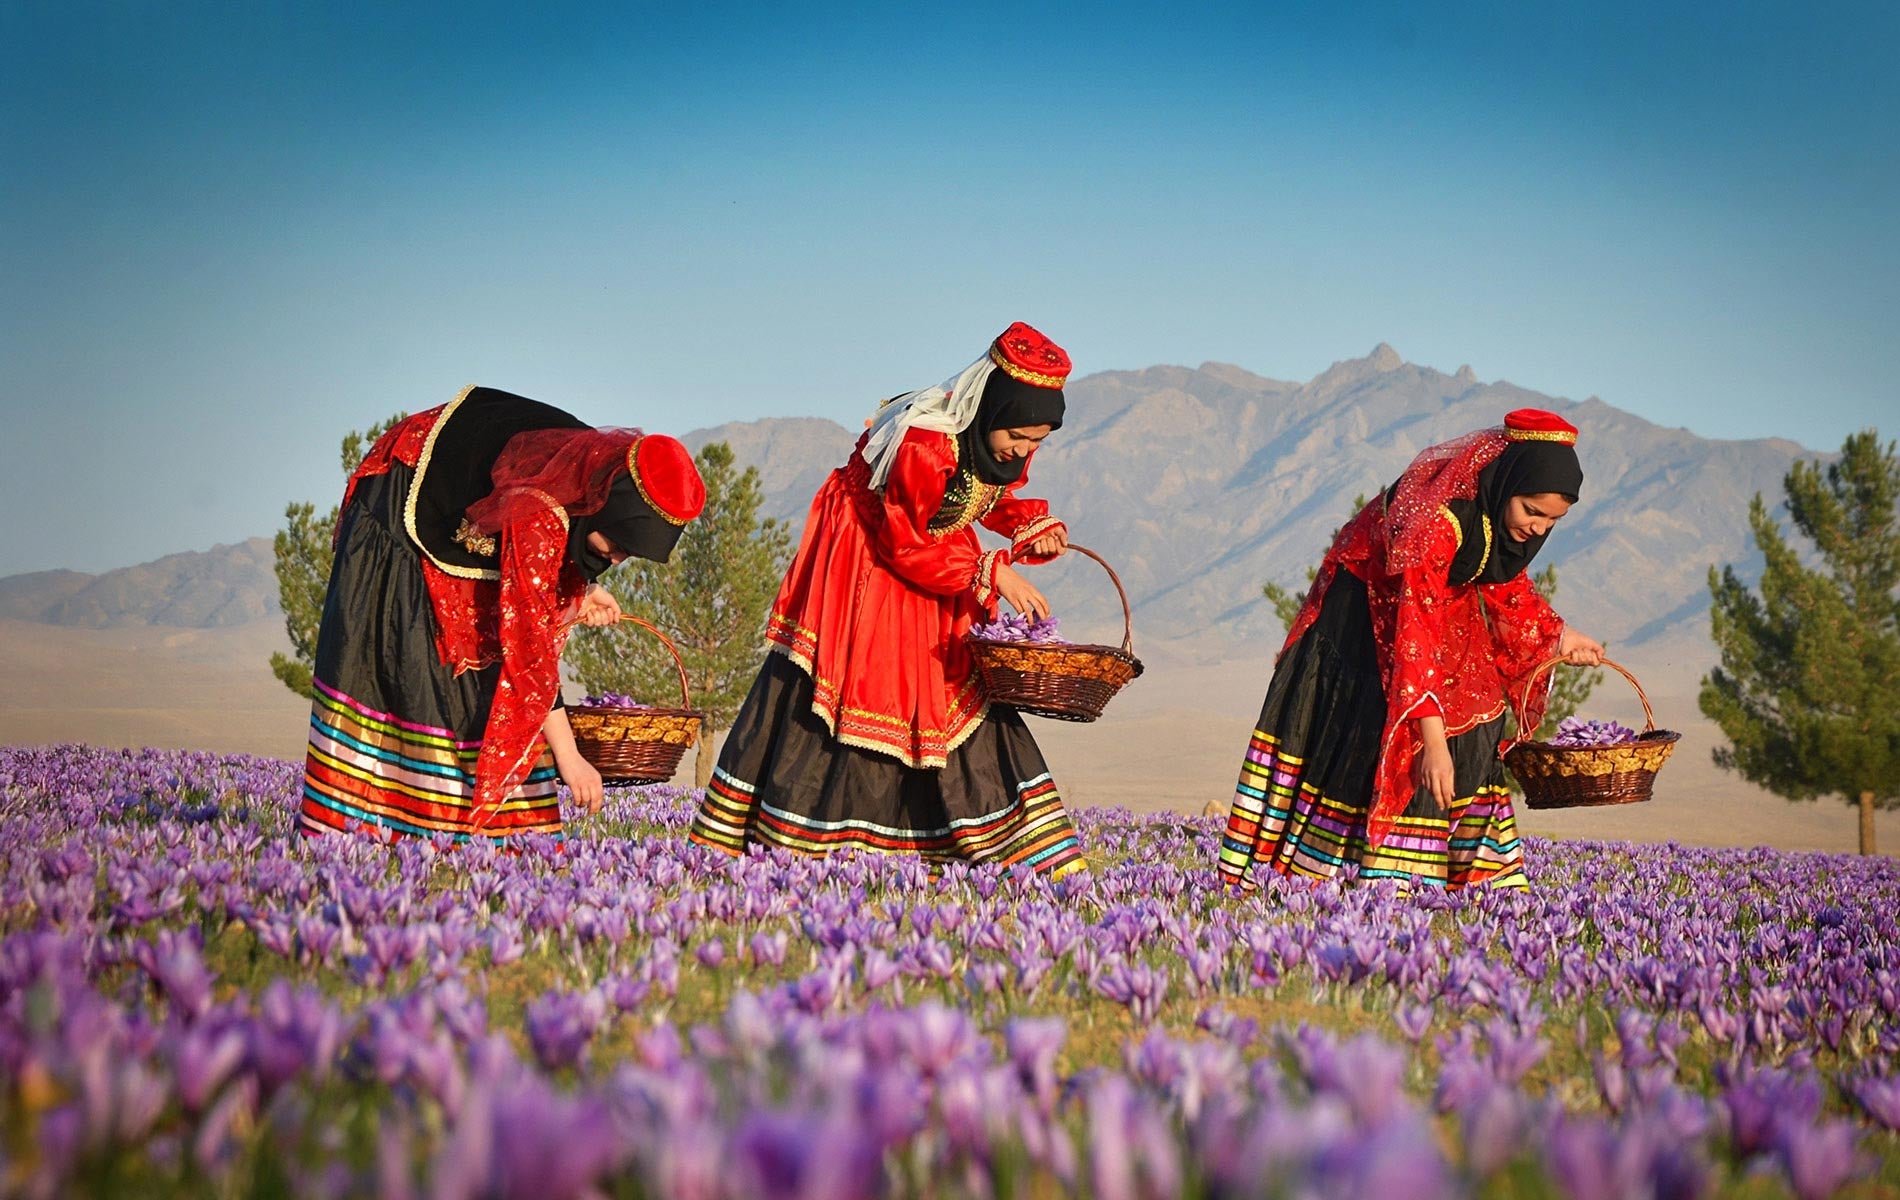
(468, 541)
(1378, 742)
(867, 727)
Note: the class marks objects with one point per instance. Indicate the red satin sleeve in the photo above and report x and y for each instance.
(537, 590)
(913, 492)
(1419, 658)
(1525, 632)
(1020, 519)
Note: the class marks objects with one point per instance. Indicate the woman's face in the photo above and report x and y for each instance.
(605, 548)
(1526, 517)
(1008, 444)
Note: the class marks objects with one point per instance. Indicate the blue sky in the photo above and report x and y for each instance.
(229, 233)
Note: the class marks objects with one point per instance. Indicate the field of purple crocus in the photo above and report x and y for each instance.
(193, 1003)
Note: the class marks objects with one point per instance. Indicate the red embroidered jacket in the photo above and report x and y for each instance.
(884, 586)
(1461, 652)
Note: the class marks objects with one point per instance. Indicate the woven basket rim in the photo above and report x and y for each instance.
(619, 710)
(1093, 648)
(1649, 736)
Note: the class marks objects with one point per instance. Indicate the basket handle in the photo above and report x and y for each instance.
(1128, 615)
(679, 664)
(1649, 714)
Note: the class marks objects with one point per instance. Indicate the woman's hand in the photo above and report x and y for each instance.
(1051, 544)
(598, 606)
(1432, 769)
(1580, 650)
(582, 780)
(1021, 594)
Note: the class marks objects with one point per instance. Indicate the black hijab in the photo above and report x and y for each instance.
(1524, 469)
(1007, 403)
(629, 522)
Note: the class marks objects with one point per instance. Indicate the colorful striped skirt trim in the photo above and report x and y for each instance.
(1035, 831)
(787, 780)
(1280, 821)
(366, 767)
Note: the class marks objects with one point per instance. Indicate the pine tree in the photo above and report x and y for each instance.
(303, 552)
(712, 600)
(1808, 690)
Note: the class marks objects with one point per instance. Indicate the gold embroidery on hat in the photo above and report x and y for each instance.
(1023, 373)
(633, 472)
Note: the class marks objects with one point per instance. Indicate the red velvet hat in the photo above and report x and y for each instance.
(668, 481)
(1536, 425)
(1024, 353)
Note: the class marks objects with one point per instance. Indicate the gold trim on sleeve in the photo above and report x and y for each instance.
(1457, 530)
(1485, 520)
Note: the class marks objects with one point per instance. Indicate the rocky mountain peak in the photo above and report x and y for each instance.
(1202, 484)
(1199, 485)
(211, 589)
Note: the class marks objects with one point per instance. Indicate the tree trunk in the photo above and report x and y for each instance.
(703, 759)
(1867, 823)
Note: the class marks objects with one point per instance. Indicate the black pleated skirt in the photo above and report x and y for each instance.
(1306, 782)
(395, 733)
(784, 780)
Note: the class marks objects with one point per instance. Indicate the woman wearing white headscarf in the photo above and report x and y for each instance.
(867, 727)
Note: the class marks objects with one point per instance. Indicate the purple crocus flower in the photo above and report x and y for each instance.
(204, 1057)
(768, 949)
(1142, 988)
(173, 961)
(1366, 1073)
(782, 1156)
(1878, 1097)
(1412, 1020)
(1819, 1158)
(561, 1025)
(1033, 1044)
(1496, 1124)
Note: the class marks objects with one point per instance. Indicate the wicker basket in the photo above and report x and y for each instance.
(637, 745)
(1067, 682)
(1590, 776)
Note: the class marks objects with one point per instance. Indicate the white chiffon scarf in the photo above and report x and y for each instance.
(949, 407)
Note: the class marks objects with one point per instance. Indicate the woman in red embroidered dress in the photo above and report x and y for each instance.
(867, 727)
(1377, 746)
(468, 540)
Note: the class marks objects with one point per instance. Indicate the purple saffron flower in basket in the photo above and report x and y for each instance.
(1576, 732)
(1020, 627)
(611, 700)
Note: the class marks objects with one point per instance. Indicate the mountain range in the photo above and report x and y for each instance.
(219, 588)
(1199, 484)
